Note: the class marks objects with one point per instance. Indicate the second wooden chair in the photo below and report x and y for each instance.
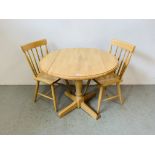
(123, 52)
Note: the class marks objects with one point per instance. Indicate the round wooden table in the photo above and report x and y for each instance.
(78, 64)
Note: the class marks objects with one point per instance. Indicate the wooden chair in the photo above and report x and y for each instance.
(34, 52)
(123, 52)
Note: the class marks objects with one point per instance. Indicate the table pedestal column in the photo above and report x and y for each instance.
(78, 85)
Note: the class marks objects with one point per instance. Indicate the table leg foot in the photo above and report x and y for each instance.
(87, 109)
(68, 109)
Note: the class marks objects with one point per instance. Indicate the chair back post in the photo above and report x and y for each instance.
(34, 52)
(123, 51)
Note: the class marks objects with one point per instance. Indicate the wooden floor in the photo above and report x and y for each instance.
(18, 114)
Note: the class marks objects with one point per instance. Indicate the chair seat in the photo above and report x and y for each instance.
(42, 77)
(108, 79)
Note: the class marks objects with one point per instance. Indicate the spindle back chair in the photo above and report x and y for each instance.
(34, 52)
(123, 52)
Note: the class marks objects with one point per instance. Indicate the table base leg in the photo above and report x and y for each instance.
(88, 110)
(69, 95)
(89, 96)
(68, 109)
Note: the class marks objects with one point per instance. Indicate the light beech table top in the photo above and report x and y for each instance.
(78, 63)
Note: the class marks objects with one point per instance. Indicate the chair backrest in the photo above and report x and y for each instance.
(123, 51)
(34, 52)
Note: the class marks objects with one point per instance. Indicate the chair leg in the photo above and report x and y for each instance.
(119, 92)
(36, 90)
(101, 91)
(54, 98)
(86, 88)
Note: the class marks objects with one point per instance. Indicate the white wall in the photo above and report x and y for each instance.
(76, 33)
